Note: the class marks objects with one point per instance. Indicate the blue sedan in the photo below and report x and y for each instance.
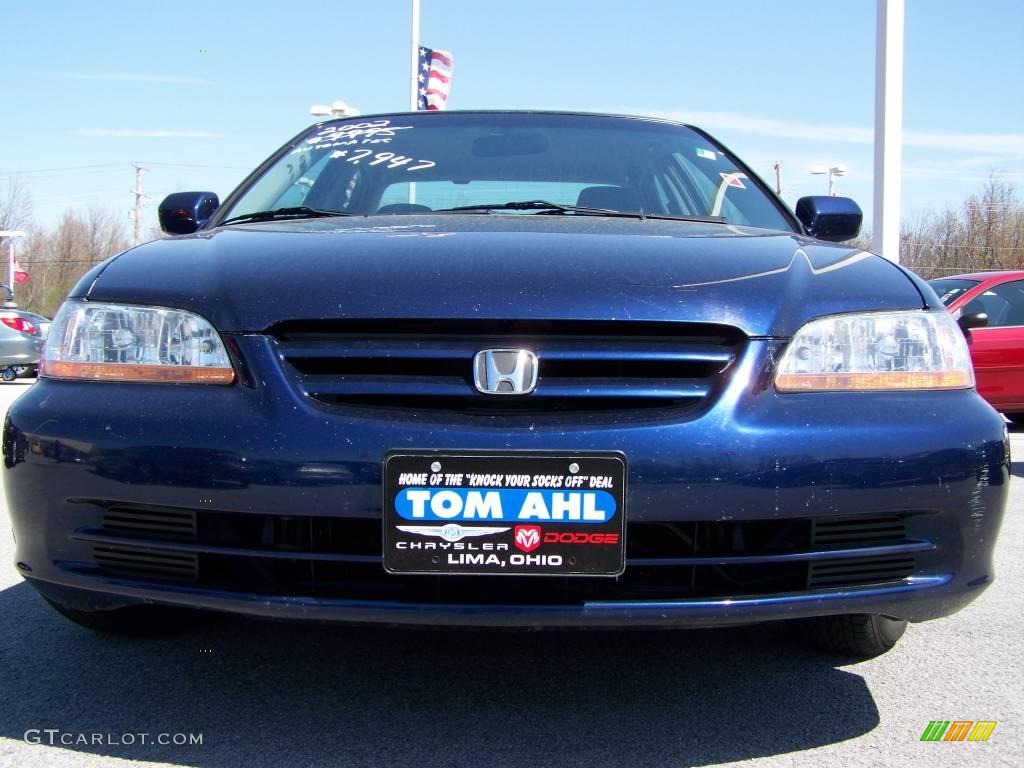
(506, 369)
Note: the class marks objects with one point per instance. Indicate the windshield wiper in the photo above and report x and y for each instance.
(545, 207)
(294, 212)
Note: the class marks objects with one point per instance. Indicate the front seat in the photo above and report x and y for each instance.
(614, 198)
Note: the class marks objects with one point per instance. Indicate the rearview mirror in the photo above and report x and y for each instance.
(184, 212)
(829, 218)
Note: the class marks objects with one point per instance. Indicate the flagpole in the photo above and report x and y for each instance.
(414, 71)
(414, 57)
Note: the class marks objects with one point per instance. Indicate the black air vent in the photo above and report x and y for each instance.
(151, 522)
(146, 562)
(861, 531)
(859, 570)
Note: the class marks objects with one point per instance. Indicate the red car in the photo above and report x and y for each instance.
(997, 342)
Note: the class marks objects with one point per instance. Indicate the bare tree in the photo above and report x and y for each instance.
(15, 206)
(985, 233)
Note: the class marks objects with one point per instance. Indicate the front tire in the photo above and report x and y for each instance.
(9, 374)
(134, 621)
(860, 634)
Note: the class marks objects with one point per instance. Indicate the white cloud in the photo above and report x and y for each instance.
(128, 77)
(128, 133)
(1003, 143)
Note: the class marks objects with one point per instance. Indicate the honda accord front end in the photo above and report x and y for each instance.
(506, 369)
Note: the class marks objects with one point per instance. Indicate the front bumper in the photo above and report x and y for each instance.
(244, 463)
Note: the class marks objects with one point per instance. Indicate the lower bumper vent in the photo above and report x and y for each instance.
(859, 570)
(151, 522)
(152, 563)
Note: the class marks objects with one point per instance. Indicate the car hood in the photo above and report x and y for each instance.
(245, 278)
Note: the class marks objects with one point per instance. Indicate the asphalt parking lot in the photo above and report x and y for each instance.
(272, 694)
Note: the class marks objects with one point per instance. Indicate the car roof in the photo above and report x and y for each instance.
(437, 114)
(988, 276)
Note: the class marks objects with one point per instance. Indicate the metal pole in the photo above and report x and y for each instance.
(138, 200)
(778, 178)
(888, 128)
(414, 57)
(414, 73)
(10, 234)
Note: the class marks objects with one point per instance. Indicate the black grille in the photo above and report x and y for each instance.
(860, 570)
(147, 562)
(583, 366)
(341, 558)
(151, 522)
(858, 531)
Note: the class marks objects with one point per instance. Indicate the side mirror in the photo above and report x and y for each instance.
(973, 320)
(184, 212)
(829, 218)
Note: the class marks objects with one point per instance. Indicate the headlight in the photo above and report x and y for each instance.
(877, 351)
(120, 342)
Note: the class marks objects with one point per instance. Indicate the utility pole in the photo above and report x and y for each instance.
(137, 214)
(778, 178)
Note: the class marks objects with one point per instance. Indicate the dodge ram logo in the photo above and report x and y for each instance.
(505, 371)
(527, 537)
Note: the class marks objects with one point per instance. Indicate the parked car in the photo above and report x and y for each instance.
(21, 342)
(996, 341)
(510, 369)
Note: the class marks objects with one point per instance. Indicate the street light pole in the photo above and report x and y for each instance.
(832, 172)
(336, 109)
(885, 226)
(10, 234)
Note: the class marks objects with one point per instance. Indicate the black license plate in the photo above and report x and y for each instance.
(490, 513)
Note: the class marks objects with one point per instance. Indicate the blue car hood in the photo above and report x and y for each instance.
(245, 278)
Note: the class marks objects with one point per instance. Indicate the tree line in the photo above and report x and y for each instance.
(985, 232)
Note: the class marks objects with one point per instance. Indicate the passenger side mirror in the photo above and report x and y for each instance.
(829, 218)
(184, 212)
(973, 320)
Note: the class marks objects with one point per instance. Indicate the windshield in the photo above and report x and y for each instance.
(950, 289)
(432, 162)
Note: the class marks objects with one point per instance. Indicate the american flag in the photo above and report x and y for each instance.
(435, 78)
(20, 275)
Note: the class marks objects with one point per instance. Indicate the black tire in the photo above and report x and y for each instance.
(9, 374)
(859, 634)
(135, 621)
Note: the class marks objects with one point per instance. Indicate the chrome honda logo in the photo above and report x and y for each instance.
(505, 371)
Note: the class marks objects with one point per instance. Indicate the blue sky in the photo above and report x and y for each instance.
(201, 93)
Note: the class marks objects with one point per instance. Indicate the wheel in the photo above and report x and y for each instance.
(9, 373)
(859, 634)
(135, 621)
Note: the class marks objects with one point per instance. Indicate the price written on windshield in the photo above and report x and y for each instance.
(392, 160)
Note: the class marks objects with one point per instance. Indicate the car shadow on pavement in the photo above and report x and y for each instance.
(268, 694)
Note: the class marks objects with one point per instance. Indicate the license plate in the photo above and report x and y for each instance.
(492, 513)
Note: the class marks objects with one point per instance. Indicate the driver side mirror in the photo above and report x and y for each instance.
(829, 218)
(182, 213)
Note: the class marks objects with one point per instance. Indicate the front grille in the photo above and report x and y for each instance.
(341, 558)
(583, 365)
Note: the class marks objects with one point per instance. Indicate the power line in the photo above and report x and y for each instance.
(214, 167)
(65, 168)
